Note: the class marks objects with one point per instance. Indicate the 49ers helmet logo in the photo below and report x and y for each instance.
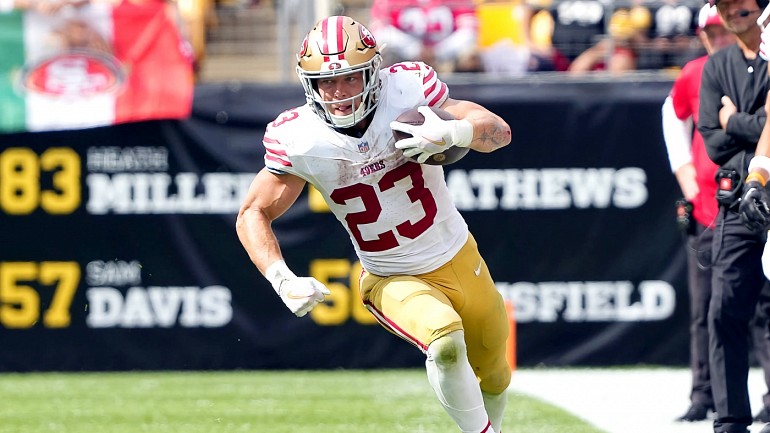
(302, 49)
(366, 37)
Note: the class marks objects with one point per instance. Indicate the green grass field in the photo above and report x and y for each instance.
(379, 401)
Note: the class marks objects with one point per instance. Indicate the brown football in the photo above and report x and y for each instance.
(413, 117)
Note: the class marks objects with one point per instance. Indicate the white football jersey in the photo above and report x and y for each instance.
(399, 214)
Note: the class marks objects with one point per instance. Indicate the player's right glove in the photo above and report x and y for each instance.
(435, 135)
(300, 294)
(754, 210)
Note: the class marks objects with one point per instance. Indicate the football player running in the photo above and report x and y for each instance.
(424, 279)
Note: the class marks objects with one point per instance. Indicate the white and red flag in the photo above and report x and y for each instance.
(94, 65)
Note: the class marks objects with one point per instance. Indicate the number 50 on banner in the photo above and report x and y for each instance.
(21, 179)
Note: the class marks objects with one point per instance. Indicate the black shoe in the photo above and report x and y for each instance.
(763, 416)
(697, 412)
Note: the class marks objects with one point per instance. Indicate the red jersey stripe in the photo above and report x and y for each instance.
(275, 151)
(283, 162)
(441, 95)
(430, 89)
(431, 75)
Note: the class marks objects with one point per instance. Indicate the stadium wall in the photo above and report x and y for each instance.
(118, 249)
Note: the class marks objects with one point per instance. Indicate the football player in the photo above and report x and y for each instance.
(423, 278)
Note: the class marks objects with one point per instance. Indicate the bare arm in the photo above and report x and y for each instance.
(490, 131)
(269, 196)
(586, 61)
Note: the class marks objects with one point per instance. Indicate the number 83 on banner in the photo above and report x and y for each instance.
(49, 181)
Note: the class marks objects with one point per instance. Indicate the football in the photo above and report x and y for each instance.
(414, 117)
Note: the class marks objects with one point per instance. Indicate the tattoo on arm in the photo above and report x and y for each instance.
(491, 137)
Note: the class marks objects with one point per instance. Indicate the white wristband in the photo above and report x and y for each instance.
(462, 136)
(759, 161)
(277, 273)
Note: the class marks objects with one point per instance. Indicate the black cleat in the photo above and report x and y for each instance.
(697, 412)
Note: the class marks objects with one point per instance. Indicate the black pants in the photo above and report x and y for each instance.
(737, 282)
(699, 289)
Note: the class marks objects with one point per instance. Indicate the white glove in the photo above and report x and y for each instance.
(435, 135)
(300, 294)
(764, 44)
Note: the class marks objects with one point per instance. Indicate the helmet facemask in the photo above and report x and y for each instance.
(338, 46)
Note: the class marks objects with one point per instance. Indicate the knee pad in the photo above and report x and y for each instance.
(448, 350)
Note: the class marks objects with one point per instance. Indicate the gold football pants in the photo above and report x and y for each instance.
(459, 295)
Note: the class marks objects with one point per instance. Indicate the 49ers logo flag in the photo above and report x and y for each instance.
(96, 65)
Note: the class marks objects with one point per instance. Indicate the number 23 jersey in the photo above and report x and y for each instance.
(399, 214)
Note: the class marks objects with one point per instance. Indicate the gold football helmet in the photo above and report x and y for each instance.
(339, 45)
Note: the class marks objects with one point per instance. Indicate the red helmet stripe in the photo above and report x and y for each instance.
(333, 36)
(325, 36)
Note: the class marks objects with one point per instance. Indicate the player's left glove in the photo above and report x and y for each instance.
(754, 210)
(435, 135)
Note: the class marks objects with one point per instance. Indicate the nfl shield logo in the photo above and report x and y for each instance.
(363, 147)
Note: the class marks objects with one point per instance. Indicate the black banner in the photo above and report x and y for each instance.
(118, 249)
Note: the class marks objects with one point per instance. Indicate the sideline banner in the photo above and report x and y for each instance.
(119, 251)
(93, 65)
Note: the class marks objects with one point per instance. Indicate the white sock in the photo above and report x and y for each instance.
(452, 378)
(495, 405)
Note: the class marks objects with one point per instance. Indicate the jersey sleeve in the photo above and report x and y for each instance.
(277, 158)
(414, 84)
(680, 94)
(435, 90)
(677, 135)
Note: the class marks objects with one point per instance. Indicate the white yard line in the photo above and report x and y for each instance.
(625, 401)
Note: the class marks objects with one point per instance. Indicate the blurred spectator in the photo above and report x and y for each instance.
(194, 18)
(439, 32)
(577, 25)
(618, 52)
(672, 36)
(515, 38)
(539, 23)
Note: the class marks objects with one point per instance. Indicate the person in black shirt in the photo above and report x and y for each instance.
(733, 90)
